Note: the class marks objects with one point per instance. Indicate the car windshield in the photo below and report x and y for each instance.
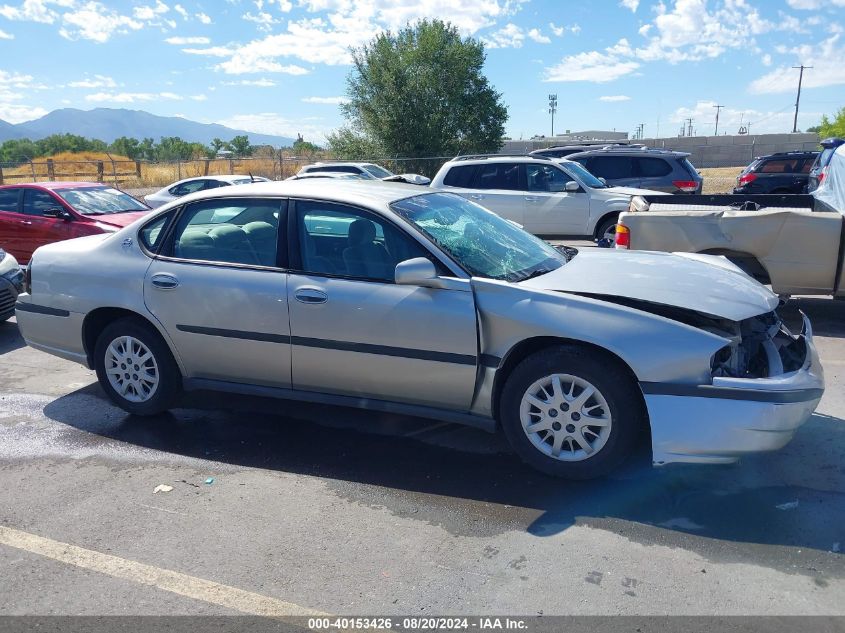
(378, 172)
(481, 242)
(580, 172)
(100, 200)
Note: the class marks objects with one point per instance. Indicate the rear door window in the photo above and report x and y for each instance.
(498, 176)
(653, 167)
(780, 166)
(9, 199)
(612, 167)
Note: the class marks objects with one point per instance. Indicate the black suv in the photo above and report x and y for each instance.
(642, 168)
(819, 168)
(786, 172)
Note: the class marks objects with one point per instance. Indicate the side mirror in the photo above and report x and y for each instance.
(415, 272)
(572, 187)
(421, 272)
(57, 212)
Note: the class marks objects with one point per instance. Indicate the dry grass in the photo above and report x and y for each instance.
(719, 179)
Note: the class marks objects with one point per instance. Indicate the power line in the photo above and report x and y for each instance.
(718, 109)
(798, 99)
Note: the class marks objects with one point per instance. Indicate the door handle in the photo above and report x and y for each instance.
(27, 222)
(310, 295)
(165, 282)
(531, 198)
(476, 196)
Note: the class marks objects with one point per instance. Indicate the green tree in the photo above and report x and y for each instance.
(301, 147)
(216, 146)
(127, 146)
(833, 128)
(240, 146)
(17, 150)
(420, 92)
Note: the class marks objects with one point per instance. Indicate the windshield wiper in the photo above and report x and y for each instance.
(536, 273)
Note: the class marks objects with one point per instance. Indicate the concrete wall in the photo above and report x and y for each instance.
(734, 151)
(706, 151)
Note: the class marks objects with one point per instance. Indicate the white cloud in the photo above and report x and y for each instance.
(327, 39)
(537, 36)
(264, 20)
(182, 41)
(33, 10)
(131, 97)
(6, 36)
(199, 97)
(202, 17)
(557, 30)
(211, 51)
(181, 11)
(150, 12)
(766, 59)
(260, 83)
(826, 60)
(510, 36)
(814, 4)
(11, 109)
(93, 21)
(595, 66)
(613, 98)
(99, 81)
(630, 4)
(326, 100)
(273, 123)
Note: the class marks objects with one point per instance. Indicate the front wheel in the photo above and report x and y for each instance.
(135, 367)
(571, 413)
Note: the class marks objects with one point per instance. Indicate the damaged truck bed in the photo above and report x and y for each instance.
(796, 243)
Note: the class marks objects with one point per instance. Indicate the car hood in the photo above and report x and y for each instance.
(703, 283)
(120, 219)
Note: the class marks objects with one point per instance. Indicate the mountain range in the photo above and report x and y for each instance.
(108, 124)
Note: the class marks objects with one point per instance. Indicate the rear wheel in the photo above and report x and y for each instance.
(606, 231)
(135, 367)
(570, 413)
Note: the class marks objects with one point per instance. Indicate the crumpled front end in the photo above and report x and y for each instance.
(765, 384)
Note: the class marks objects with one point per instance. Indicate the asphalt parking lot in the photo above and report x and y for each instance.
(280, 508)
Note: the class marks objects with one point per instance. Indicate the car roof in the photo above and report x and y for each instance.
(502, 158)
(788, 154)
(361, 192)
(58, 185)
(630, 151)
(333, 163)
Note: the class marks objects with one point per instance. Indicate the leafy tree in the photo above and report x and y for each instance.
(240, 145)
(57, 143)
(302, 147)
(17, 150)
(833, 128)
(126, 146)
(421, 92)
(216, 146)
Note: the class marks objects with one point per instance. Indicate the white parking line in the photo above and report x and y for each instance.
(165, 579)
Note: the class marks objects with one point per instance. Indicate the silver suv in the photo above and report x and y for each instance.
(656, 169)
(546, 197)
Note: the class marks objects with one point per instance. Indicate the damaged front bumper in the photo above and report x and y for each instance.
(720, 422)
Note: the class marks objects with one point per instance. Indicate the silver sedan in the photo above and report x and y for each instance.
(379, 296)
(184, 187)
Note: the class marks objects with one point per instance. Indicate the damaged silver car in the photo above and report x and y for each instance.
(380, 297)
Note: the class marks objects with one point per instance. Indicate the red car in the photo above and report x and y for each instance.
(32, 215)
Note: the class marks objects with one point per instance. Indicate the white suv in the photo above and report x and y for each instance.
(545, 196)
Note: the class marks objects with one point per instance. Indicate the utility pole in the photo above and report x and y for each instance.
(718, 109)
(798, 99)
(689, 123)
(552, 110)
(642, 130)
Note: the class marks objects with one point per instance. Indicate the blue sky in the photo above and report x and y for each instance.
(279, 66)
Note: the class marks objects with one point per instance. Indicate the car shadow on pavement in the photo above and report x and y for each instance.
(826, 315)
(10, 337)
(431, 467)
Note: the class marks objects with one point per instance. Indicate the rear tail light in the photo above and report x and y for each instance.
(623, 236)
(687, 186)
(746, 178)
(822, 174)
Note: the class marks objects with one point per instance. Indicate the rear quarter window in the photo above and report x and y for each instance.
(9, 199)
(653, 167)
(460, 176)
(612, 167)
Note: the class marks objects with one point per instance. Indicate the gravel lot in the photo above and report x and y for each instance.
(280, 508)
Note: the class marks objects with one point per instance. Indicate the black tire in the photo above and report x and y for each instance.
(615, 384)
(169, 377)
(604, 226)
